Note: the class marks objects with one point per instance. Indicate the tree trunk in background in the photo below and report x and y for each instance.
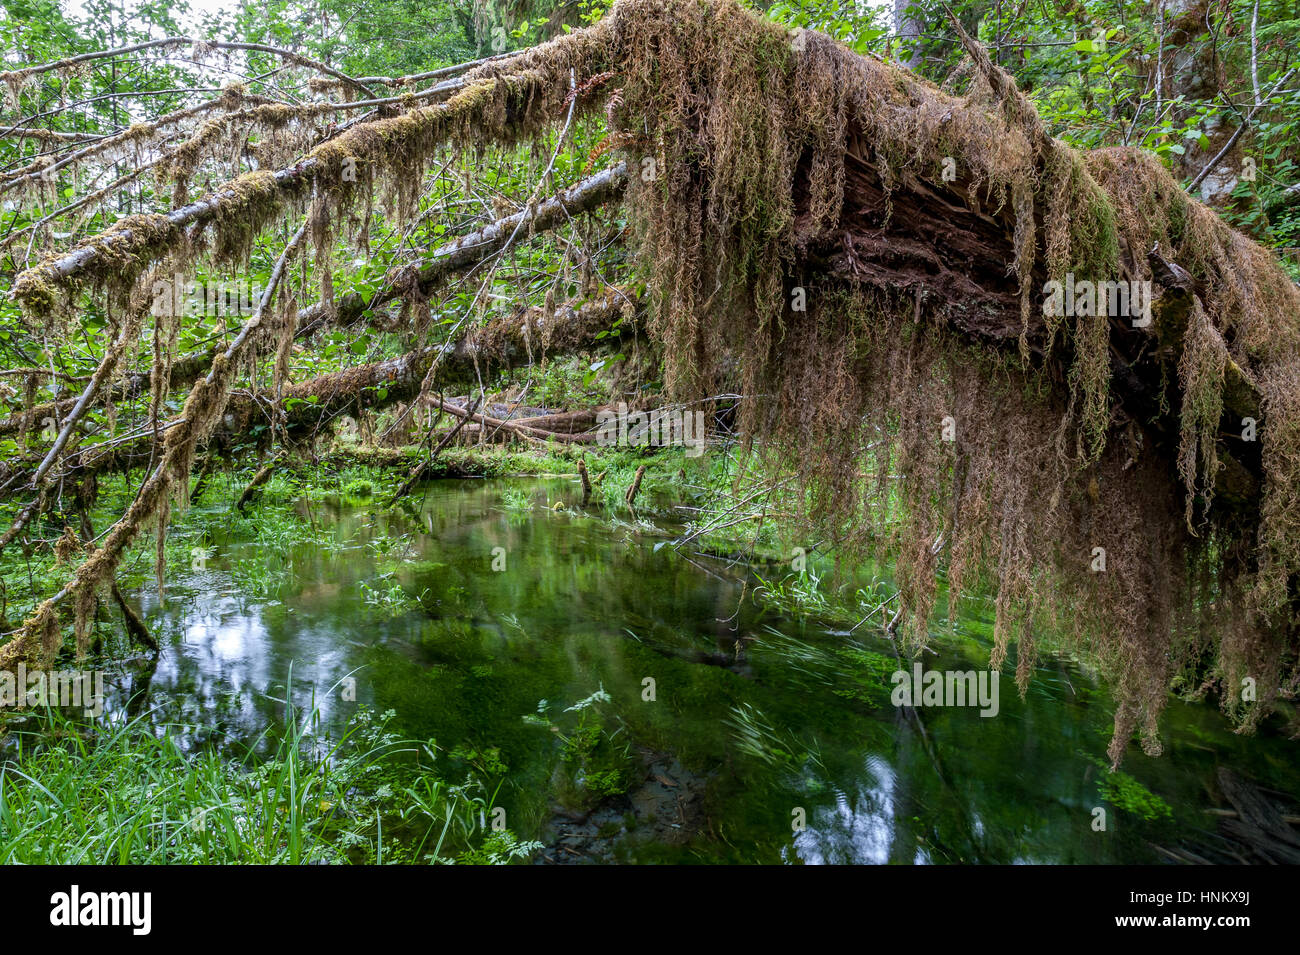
(1192, 69)
(909, 35)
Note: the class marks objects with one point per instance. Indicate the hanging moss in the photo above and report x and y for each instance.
(746, 128)
(119, 254)
(248, 205)
(505, 102)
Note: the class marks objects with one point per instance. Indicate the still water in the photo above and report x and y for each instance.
(753, 736)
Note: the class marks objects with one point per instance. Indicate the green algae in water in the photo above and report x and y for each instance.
(1122, 790)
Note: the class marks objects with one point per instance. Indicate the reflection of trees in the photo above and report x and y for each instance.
(227, 674)
(138, 688)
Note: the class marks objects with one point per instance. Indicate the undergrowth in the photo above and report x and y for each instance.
(128, 794)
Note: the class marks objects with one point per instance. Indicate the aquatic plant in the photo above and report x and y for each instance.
(1120, 789)
(390, 599)
(594, 763)
(517, 499)
(756, 737)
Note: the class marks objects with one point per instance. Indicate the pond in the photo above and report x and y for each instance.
(720, 730)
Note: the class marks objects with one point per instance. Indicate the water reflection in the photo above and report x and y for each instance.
(857, 830)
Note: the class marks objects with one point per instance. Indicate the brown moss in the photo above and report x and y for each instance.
(66, 547)
(122, 252)
(38, 292)
(246, 206)
(739, 120)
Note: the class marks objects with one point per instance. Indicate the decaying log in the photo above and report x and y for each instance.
(586, 481)
(933, 240)
(318, 403)
(630, 497)
(471, 249)
(1257, 823)
(536, 435)
(261, 477)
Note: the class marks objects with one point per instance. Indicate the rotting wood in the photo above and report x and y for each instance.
(635, 486)
(586, 481)
(261, 477)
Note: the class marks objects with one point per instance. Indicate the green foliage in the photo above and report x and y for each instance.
(593, 763)
(125, 794)
(865, 675)
(359, 488)
(1087, 70)
(1122, 790)
(755, 736)
(501, 847)
(862, 28)
(517, 499)
(388, 597)
(798, 593)
(386, 39)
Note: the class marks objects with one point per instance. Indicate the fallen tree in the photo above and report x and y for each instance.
(303, 411)
(885, 251)
(461, 253)
(1082, 385)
